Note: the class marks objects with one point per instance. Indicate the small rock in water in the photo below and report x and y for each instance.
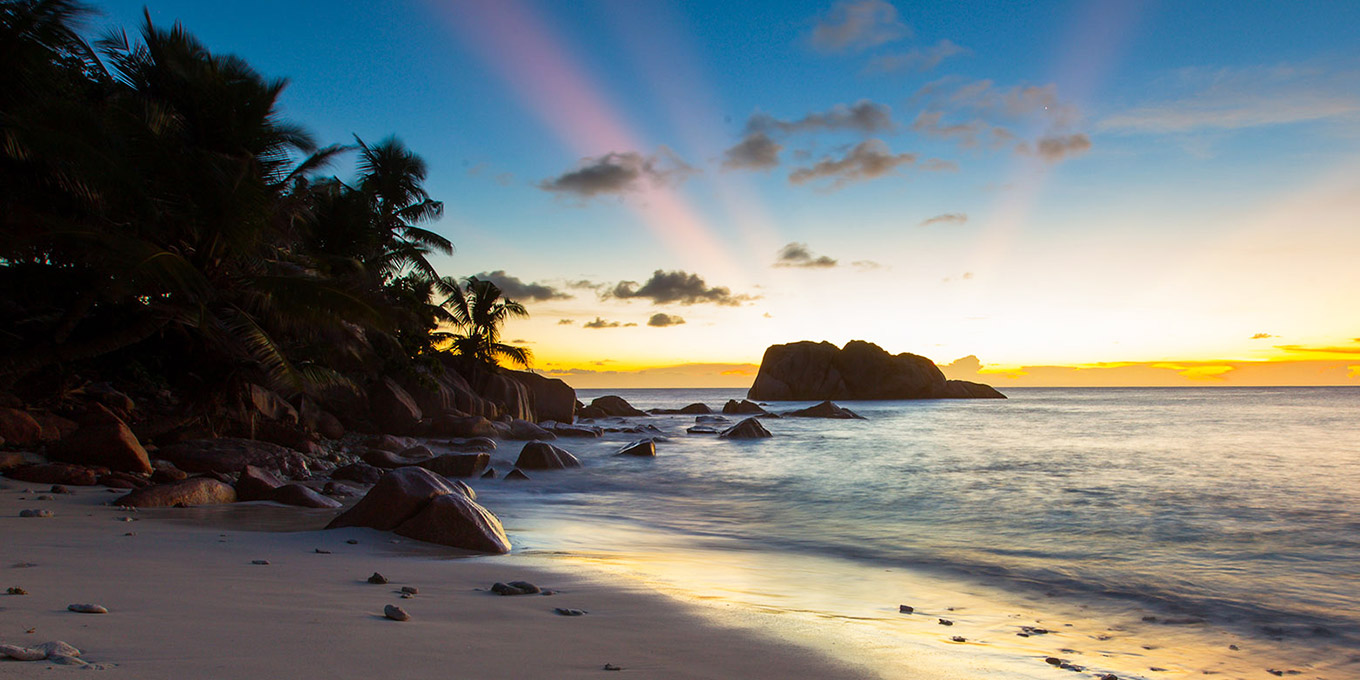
(260, 562)
(946, 622)
(87, 609)
(36, 513)
(319, 551)
(57, 648)
(489, 474)
(377, 578)
(515, 588)
(1031, 630)
(517, 474)
(15, 590)
(905, 608)
(45, 497)
(1053, 661)
(1234, 647)
(21, 653)
(1109, 676)
(353, 541)
(612, 667)
(959, 638)
(410, 590)
(57, 488)
(396, 613)
(563, 611)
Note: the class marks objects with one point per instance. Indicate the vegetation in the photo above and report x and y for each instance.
(158, 216)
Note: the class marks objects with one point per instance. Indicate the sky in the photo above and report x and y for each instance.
(1053, 193)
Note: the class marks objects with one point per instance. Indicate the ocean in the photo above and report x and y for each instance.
(1143, 532)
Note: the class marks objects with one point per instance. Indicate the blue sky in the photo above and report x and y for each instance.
(1190, 185)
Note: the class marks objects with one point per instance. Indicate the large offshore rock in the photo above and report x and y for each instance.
(810, 371)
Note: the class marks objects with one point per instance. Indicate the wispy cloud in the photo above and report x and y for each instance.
(858, 25)
(676, 287)
(867, 160)
(620, 173)
(918, 59)
(864, 116)
(566, 322)
(601, 323)
(1261, 336)
(946, 218)
(979, 109)
(755, 151)
(522, 291)
(662, 320)
(1058, 147)
(798, 255)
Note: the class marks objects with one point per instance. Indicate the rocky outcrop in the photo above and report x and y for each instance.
(102, 439)
(421, 505)
(691, 410)
(192, 491)
(615, 407)
(809, 371)
(746, 429)
(393, 409)
(230, 455)
(541, 456)
(18, 428)
(825, 409)
(552, 399)
(642, 449)
(457, 464)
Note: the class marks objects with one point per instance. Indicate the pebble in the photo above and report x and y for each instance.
(905, 608)
(563, 611)
(260, 562)
(22, 653)
(410, 590)
(57, 488)
(396, 613)
(319, 551)
(45, 497)
(130, 533)
(87, 609)
(1053, 661)
(612, 667)
(515, 588)
(959, 638)
(1234, 647)
(377, 578)
(1109, 676)
(36, 513)
(353, 541)
(946, 622)
(15, 590)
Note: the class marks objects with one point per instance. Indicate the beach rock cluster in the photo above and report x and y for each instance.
(810, 371)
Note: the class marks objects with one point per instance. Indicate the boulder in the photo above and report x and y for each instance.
(542, 456)
(303, 497)
(808, 371)
(18, 428)
(340, 490)
(591, 412)
(709, 420)
(742, 408)
(564, 430)
(54, 427)
(362, 473)
(271, 406)
(393, 409)
(457, 464)
(746, 429)
(192, 491)
(397, 497)
(462, 426)
(825, 409)
(227, 455)
(457, 521)
(256, 484)
(102, 439)
(552, 399)
(54, 473)
(516, 475)
(319, 420)
(387, 442)
(388, 460)
(166, 473)
(691, 410)
(523, 430)
(615, 406)
(284, 434)
(644, 449)
(702, 429)
(472, 444)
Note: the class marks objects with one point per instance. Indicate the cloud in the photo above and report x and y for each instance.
(968, 135)
(676, 287)
(946, 218)
(864, 116)
(858, 25)
(662, 320)
(566, 322)
(755, 151)
(1158, 374)
(521, 342)
(1319, 350)
(620, 173)
(985, 97)
(865, 265)
(867, 160)
(601, 323)
(917, 60)
(518, 290)
(1053, 149)
(1243, 97)
(798, 255)
(1261, 336)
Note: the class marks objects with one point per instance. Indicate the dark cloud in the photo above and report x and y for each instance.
(946, 218)
(798, 255)
(620, 173)
(915, 60)
(863, 116)
(755, 151)
(521, 291)
(867, 160)
(676, 287)
(1056, 148)
(601, 323)
(566, 322)
(661, 320)
(857, 25)
(1261, 336)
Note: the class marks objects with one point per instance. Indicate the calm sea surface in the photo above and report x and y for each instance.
(1232, 513)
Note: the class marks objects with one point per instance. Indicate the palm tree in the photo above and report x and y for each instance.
(479, 311)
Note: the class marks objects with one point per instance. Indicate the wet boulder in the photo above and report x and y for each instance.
(825, 409)
(256, 484)
(397, 497)
(742, 408)
(746, 429)
(458, 522)
(18, 428)
(418, 504)
(102, 439)
(616, 407)
(523, 430)
(192, 491)
(542, 456)
(645, 448)
(457, 464)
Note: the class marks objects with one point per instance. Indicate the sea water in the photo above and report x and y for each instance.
(1152, 532)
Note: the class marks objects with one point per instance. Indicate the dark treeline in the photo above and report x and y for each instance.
(161, 223)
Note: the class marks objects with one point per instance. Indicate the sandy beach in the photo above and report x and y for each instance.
(186, 600)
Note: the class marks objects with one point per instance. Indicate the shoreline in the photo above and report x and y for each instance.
(186, 601)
